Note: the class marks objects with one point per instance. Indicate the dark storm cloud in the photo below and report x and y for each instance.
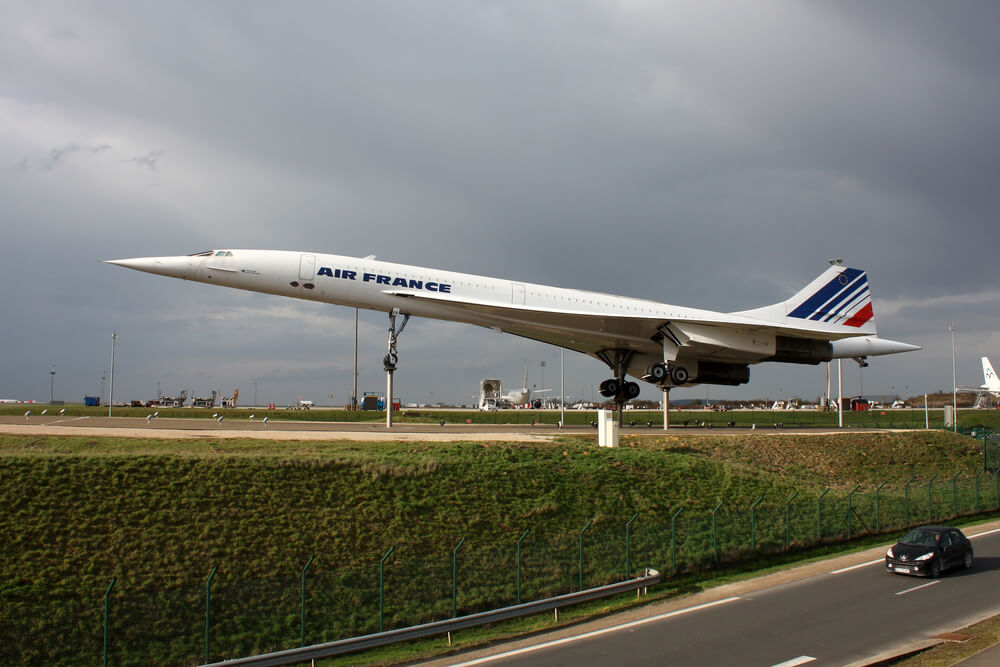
(712, 155)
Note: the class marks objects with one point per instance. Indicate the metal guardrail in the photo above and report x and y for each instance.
(342, 646)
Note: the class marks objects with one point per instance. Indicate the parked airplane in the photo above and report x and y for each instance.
(664, 344)
(991, 383)
(522, 396)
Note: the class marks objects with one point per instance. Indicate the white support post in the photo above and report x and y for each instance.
(388, 399)
(666, 409)
(607, 429)
(840, 393)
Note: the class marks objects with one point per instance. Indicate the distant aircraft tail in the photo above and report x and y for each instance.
(839, 299)
(991, 381)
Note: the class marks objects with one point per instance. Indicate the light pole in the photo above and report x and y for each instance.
(111, 390)
(52, 383)
(104, 376)
(562, 386)
(954, 381)
(837, 261)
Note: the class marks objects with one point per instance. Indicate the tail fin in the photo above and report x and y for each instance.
(992, 382)
(839, 299)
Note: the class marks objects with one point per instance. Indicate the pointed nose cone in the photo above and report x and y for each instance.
(175, 267)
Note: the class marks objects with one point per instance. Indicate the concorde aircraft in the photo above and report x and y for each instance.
(666, 345)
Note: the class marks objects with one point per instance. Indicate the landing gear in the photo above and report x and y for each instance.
(391, 359)
(665, 375)
(618, 388)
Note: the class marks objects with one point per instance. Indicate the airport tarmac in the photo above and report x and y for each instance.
(138, 427)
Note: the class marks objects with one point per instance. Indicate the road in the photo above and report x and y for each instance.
(842, 616)
(164, 427)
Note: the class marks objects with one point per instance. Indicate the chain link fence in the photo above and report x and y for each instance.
(176, 624)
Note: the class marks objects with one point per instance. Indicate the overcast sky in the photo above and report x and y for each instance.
(704, 154)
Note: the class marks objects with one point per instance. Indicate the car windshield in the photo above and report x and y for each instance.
(920, 538)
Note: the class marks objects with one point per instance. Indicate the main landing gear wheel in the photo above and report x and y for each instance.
(610, 387)
(657, 373)
(678, 375)
(619, 390)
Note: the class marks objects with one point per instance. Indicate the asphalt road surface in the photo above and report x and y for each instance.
(312, 430)
(849, 615)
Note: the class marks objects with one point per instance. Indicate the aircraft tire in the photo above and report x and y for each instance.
(658, 373)
(678, 375)
(610, 387)
(631, 390)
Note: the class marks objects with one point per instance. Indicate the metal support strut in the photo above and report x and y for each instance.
(391, 359)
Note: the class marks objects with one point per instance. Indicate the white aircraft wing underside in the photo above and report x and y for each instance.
(591, 332)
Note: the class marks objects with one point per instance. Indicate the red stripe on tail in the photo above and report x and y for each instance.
(861, 317)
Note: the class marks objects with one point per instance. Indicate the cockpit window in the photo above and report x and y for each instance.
(223, 253)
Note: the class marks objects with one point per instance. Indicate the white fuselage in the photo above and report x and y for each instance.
(706, 342)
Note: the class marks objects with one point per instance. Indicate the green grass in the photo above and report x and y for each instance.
(159, 514)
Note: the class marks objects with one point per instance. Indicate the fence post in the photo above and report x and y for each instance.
(107, 615)
(673, 539)
(850, 510)
(628, 545)
(715, 533)
(381, 586)
(519, 540)
(878, 506)
(954, 494)
(906, 500)
(580, 537)
(208, 608)
(930, 498)
(753, 521)
(788, 519)
(454, 577)
(978, 473)
(303, 614)
(819, 513)
(996, 486)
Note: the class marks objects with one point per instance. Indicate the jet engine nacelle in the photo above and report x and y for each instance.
(801, 350)
(710, 372)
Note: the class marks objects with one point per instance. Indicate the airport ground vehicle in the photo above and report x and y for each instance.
(928, 551)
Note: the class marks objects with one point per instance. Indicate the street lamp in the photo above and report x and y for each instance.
(52, 383)
(954, 381)
(111, 390)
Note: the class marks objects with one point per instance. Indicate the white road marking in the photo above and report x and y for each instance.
(801, 660)
(988, 532)
(60, 421)
(595, 633)
(917, 588)
(859, 565)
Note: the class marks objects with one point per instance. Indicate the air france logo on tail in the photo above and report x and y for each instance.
(845, 300)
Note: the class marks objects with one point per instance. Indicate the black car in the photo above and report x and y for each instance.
(928, 551)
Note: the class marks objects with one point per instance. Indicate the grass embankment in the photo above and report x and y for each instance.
(158, 515)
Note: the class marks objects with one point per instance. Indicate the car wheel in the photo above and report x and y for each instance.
(967, 560)
(935, 569)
